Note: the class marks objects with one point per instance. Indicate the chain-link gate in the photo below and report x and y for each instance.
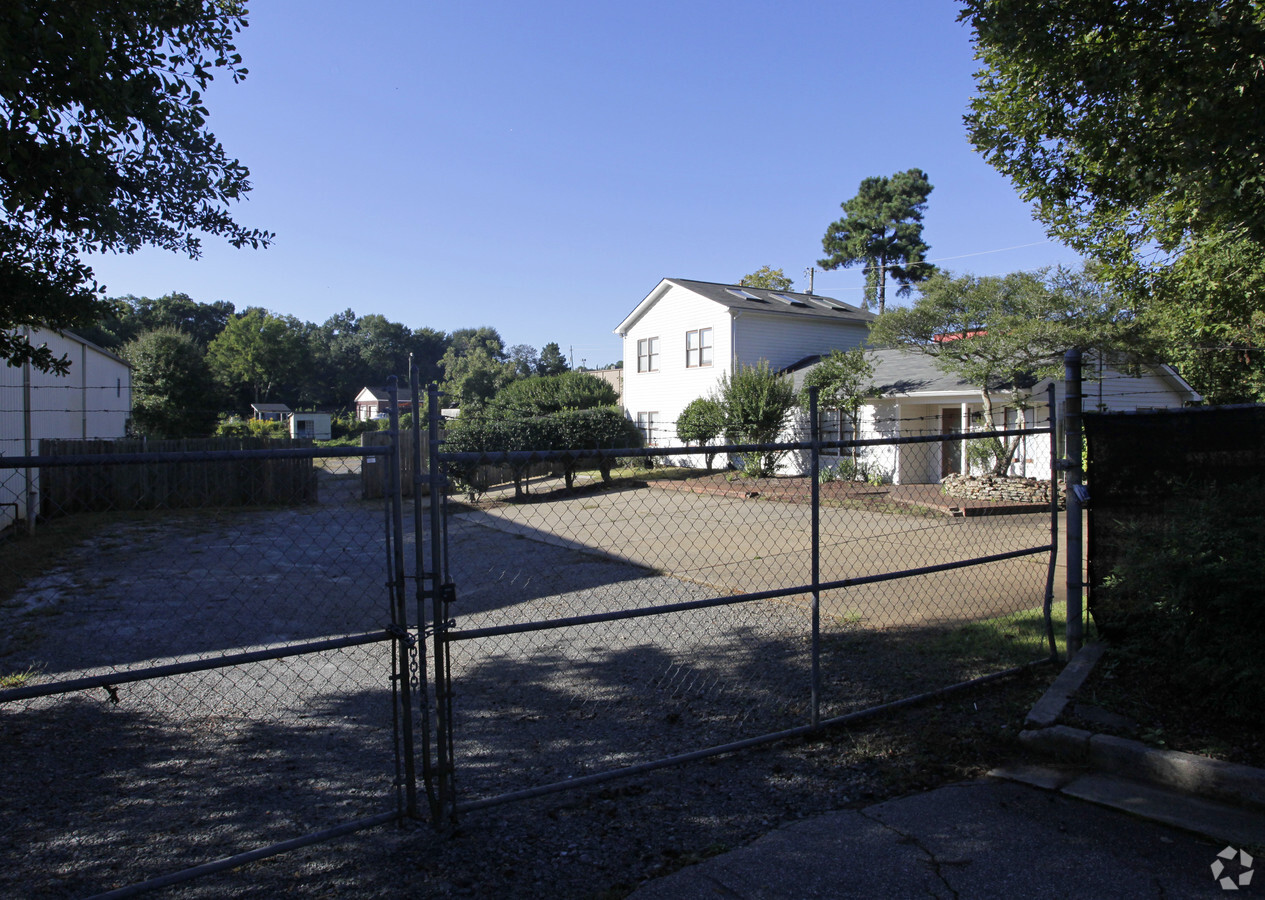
(608, 626)
(207, 658)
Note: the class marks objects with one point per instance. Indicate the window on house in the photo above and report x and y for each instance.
(646, 425)
(698, 348)
(648, 355)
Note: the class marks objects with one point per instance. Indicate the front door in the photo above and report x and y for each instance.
(950, 451)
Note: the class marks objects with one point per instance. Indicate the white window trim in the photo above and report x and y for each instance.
(710, 347)
(651, 356)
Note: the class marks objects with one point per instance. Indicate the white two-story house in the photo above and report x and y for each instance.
(686, 335)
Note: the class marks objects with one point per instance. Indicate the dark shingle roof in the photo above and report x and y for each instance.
(781, 302)
(897, 372)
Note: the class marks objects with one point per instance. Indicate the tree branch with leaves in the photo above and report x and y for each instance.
(104, 147)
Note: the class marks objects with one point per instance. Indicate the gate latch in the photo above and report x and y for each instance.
(401, 633)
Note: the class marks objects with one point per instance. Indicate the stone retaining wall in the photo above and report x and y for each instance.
(999, 489)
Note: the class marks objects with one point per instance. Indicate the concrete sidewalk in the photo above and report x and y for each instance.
(983, 839)
(1122, 820)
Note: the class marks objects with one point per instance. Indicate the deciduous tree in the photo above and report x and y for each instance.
(844, 380)
(257, 352)
(758, 403)
(769, 279)
(1004, 333)
(173, 394)
(701, 422)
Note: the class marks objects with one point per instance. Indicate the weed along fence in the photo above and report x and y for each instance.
(133, 474)
(615, 628)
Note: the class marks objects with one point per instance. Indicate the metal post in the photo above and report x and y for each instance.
(399, 610)
(1054, 524)
(445, 802)
(29, 475)
(417, 651)
(1072, 463)
(814, 470)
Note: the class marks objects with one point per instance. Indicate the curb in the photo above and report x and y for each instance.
(1230, 783)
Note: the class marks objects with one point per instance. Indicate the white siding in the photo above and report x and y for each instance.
(93, 401)
(670, 389)
(783, 340)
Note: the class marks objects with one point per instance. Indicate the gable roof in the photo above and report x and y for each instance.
(372, 393)
(753, 299)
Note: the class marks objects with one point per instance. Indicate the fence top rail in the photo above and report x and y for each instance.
(178, 456)
(527, 456)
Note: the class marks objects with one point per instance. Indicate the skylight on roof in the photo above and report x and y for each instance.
(790, 301)
(745, 295)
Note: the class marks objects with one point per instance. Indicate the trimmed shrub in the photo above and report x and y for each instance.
(701, 422)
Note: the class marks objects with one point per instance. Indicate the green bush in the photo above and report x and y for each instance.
(1186, 598)
(758, 404)
(544, 395)
(232, 426)
(604, 428)
(701, 422)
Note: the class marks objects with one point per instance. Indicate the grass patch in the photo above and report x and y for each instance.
(1012, 639)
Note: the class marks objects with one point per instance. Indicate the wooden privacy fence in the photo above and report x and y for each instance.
(152, 484)
(373, 469)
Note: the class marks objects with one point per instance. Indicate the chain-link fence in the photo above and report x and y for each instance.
(648, 614)
(196, 657)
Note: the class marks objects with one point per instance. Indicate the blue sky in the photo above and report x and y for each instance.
(538, 167)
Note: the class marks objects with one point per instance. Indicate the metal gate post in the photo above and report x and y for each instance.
(445, 804)
(417, 651)
(1054, 523)
(1072, 457)
(399, 613)
(814, 470)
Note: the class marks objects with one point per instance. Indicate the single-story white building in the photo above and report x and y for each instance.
(314, 425)
(915, 397)
(92, 402)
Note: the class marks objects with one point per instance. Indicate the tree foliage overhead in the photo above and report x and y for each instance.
(882, 229)
(1003, 333)
(104, 147)
(769, 279)
(1208, 312)
(1129, 125)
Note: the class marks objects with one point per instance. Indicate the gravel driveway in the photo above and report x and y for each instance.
(191, 768)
